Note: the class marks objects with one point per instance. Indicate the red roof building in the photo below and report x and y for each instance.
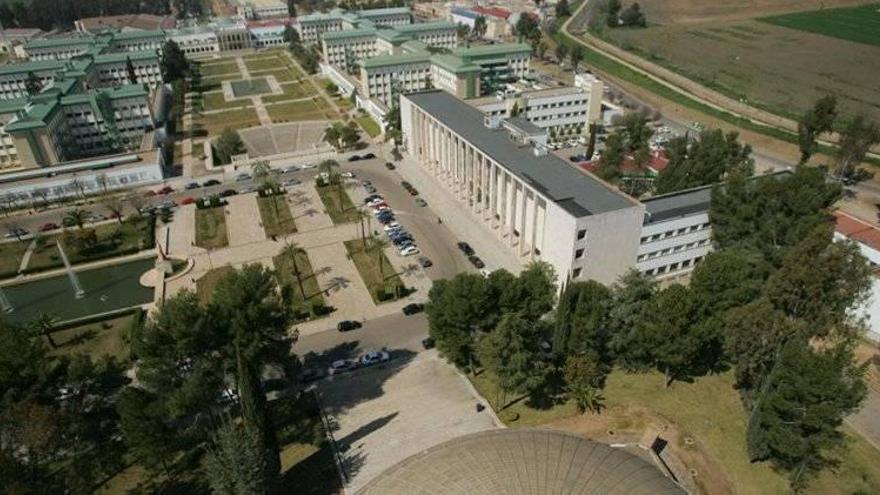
(858, 230)
(657, 163)
(497, 12)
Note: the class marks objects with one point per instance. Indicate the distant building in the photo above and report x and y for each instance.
(497, 20)
(128, 22)
(313, 26)
(12, 38)
(260, 9)
(348, 48)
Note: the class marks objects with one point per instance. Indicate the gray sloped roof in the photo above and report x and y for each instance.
(575, 191)
(520, 462)
(677, 204)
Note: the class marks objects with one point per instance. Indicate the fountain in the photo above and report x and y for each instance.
(74, 281)
(5, 305)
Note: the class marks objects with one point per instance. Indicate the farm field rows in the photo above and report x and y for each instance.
(859, 24)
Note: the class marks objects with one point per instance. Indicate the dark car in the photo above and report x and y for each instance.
(228, 192)
(354, 158)
(421, 202)
(48, 226)
(413, 191)
(466, 248)
(425, 262)
(411, 309)
(428, 343)
(406, 185)
(384, 220)
(211, 182)
(389, 166)
(578, 158)
(476, 261)
(165, 190)
(192, 185)
(368, 156)
(311, 375)
(347, 325)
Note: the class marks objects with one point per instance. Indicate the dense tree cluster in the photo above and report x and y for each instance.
(51, 14)
(707, 160)
(616, 16)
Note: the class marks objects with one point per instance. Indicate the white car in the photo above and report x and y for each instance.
(409, 251)
(347, 175)
(376, 201)
(342, 366)
(292, 168)
(392, 226)
(308, 166)
(374, 357)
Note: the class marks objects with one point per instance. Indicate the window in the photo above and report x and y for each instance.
(582, 233)
(576, 273)
(579, 253)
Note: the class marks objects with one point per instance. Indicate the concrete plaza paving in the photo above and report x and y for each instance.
(386, 414)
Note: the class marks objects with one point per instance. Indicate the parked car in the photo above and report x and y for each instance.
(186, 201)
(413, 308)
(168, 204)
(16, 233)
(413, 191)
(466, 248)
(425, 261)
(406, 185)
(374, 357)
(48, 226)
(308, 166)
(392, 226)
(242, 177)
(370, 189)
(311, 375)
(389, 166)
(342, 366)
(165, 190)
(366, 183)
(292, 168)
(409, 251)
(354, 158)
(192, 185)
(228, 192)
(421, 202)
(347, 175)
(373, 200)
(211, 182)
(428, 343)
(485, 273)
(368, 156)
(347, 325)
(70, 222)
(476, 261)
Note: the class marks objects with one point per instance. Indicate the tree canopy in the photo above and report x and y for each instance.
(711, 158)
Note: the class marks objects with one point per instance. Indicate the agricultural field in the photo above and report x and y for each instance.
(690, 12)
(776, 68)
(859, 24)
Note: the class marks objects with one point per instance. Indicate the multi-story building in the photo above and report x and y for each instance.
(267, 36)
(497, 20)
(312, 27)
(112, 68)
(135, 41)
(499, 64)
(260, 9)
(346, 49)
(540, 207)
(59, 48)
(867, 237)
(196, 41)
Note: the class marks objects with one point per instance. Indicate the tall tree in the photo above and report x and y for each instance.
(633, 16)
(561, 51)
(228, 145)
(796, 424)
(234, 463)
(456, 311)
(44, 325)
(576, 56)
(527, 28)
(815, 122)
(562, 9)
(292, 251)
(855, 141)
(584, 379)
(535, 290)
(581, 320)
(612, 156)
(33, 85)
(707, 160)
(479, 28)
(637, 131)
(173, 63)
(613, 13)
(630, 308)
(511, 353)
(147, 434)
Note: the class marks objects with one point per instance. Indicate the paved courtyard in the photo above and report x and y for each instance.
(386, 414)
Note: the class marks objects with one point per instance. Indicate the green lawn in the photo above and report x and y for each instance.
(113, 239)
(369, 125)
(340, 212)
(264, 63)
(299, 110)
(211, 70)
(10, 256)
(216, 101)
(205, 285)
(211, 228)
(214, 123)
(859, 24)
(303, 306)
(307, 464)
(367, 263)
(98, 338)
(710, 411)
(276, 221)
(292, 91)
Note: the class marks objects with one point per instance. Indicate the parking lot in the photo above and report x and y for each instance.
(386, 413)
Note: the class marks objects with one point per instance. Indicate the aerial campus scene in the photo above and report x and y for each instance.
(439, 247)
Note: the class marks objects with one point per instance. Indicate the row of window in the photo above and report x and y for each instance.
(542, 118)
(673, 267)
(675, 233)
(674, 249)
(556, 105)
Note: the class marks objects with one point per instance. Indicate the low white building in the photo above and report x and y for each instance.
(535, 203)
(267, 36)
(58, 48)
(867, 237)
(260, 9)
(195, 42)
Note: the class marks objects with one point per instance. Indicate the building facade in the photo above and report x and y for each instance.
(348, 48)
(540, 207)
(260, 9)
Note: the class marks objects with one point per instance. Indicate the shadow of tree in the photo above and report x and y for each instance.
(338, 283)
(347, 442)
(342, 392)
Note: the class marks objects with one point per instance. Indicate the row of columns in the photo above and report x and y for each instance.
(492, 193)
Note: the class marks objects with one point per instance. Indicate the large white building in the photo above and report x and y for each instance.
(348, 48)
(867, 237)
(538, 205)
(312, 27)
(260, 9)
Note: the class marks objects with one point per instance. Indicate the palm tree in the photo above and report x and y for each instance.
(292, 250)
(361, 217)
(44, 325)
(77, 217)
(378, 244)
(330, 167)
(265, 176)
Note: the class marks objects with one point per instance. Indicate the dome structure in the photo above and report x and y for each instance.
(520, 462)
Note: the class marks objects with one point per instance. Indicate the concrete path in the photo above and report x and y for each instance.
(866, 422)
(242, 67)
(243, 222)
(26, 258)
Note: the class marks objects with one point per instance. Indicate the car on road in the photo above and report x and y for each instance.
(466, 248)
(347, 175)
(476, 261)
(354, 158)
(347, 325)
(186, 201)
(308, 166)
(413, 308)
(242, 177)
(342, 366)
(368, 156)
(16, 233)
(211, 182)
(409, 251)
(97, 217)
(389, 166)
(192, 185)
(228, 192)
(48, 226)
(421, 202)
(165, 190)
(292, 168)
(247, 189)
(425, 261)
(392, 226)
(428, 343)
(291, 182)
(374, 357)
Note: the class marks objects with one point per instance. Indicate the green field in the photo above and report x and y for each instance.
(376, 278)
(369, 125)
(303, 301)
(859, 24)
(276, 221)
(299, 110)
(97, 338)
(10, 257)
(211, 228)
(338, 206)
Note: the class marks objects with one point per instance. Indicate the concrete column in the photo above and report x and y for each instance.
(522, 220)
(493, 205)
(511, 219)
(503, 201)
(534, 227)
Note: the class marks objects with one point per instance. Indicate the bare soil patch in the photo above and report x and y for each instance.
(691, 12)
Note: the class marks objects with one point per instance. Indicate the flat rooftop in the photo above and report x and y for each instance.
(677, 204)
(573, 190)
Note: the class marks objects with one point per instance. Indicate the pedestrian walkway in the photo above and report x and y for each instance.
(26, 258)
(243, 222)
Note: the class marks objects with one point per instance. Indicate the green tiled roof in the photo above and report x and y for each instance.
(425, 26)
(110, 58)
(35, 66)
(381, 12)
(13, 105)
(133, 35)
(403, 58)
(392, 35)
(351, 33)
(414, 46)
(492, 50)
(454, 64)
(36, 117)
(56, 42)
(126, 91)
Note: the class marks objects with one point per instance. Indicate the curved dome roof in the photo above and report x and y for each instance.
(528, 461)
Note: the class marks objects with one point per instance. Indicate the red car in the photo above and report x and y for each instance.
(165, 190)
(149, 194)
(186, 201)
(48, 226)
